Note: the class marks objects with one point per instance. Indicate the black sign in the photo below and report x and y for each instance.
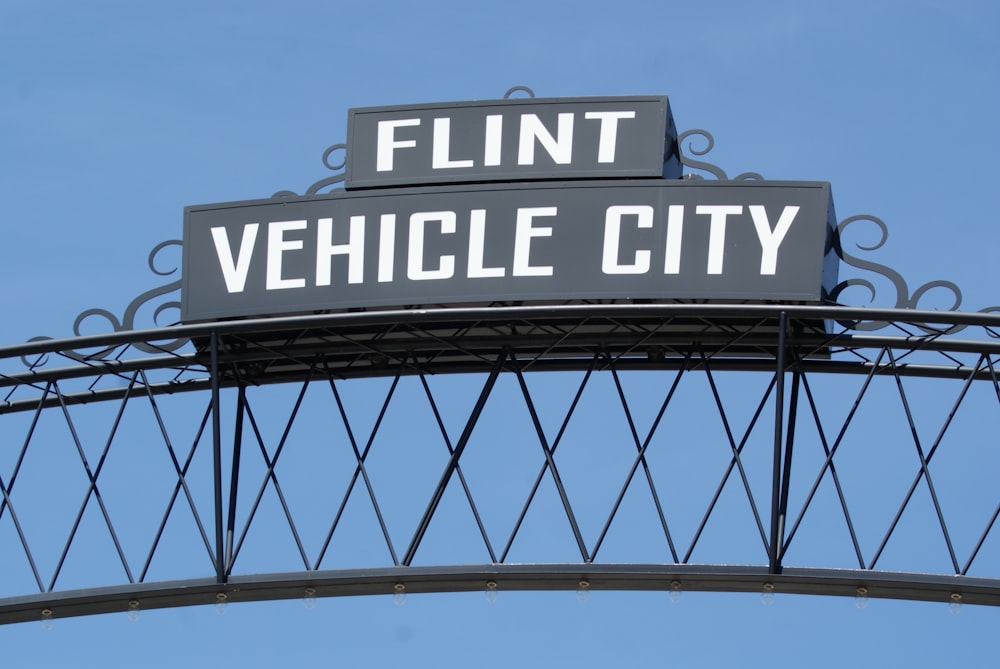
(544, 241)
(509, 140)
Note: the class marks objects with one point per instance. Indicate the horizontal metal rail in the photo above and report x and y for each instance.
(946, 320)
(724, 365)
(503, 577)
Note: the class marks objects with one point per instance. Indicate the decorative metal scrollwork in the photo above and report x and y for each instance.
(328, 182)
(128, 320)
(904, 299)
(712, 169)
(518, 89)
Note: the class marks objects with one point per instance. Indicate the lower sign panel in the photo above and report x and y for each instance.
(643, 239)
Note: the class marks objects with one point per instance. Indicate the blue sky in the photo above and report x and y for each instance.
(116, 115)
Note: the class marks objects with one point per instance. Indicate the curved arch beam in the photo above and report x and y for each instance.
(516, 577)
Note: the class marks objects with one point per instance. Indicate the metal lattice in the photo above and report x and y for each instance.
(696, 447)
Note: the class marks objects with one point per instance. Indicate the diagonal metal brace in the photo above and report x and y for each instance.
(449, 469)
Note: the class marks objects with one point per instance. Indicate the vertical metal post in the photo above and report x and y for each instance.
(220, 567)
(234, 476)
(774, 563)
(793, 403)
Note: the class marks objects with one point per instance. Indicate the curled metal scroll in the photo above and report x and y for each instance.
(328, 182)
(518, 89)
(904, 299)
(128, 320)
(705, 166)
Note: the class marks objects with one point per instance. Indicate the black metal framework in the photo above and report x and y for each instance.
(737, 447)
(321, 455)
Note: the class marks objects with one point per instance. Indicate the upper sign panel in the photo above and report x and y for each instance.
(511, 140)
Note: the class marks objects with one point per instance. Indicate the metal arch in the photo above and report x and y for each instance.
(790, 345)
(796, 347)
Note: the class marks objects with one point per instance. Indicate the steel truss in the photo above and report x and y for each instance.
(774, 448)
